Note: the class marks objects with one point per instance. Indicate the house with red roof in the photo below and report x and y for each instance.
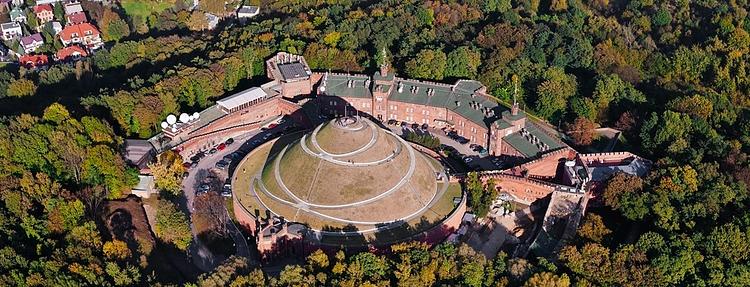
(76, 18)
(71, 53)
(33, 61)
(44, 13)
(84, 34)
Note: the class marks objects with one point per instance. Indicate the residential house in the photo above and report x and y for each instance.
(42, 2)
(44, 13)
(248, 11)
(73, 8)
(31, 43)
(17, 15)
(11, 30)
(33, 61)
(84, 34)
(71, 53)
(76, 18)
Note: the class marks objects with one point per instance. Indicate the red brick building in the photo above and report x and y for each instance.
(463, 107)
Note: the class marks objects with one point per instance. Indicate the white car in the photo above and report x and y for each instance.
(468, 159)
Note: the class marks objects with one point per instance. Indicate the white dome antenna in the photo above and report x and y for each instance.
(184, 118)
(171, 119)
(164, 125)
(196, 115)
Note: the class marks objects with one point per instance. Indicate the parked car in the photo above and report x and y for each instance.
(187, 165)
(228, 158)
(229, 141)
(221, 164)
(468, 159)
(203, 188)
(473, 146)
(213, 151)
(272, 126)
(193, 164)
(226, 190)
(425, 126)
(221, 146)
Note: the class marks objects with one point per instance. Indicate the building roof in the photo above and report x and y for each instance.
(241, 98)
(137, 150)
(340, 86)
(32, 61)
(44, 7)
(80, 29)
(10, 25)
(77, 18)
(292, 71)
(71, 51)
(56, 26)
(525, 146)
(73, 8)
(248, 10)
(16, 13)
(31, 39)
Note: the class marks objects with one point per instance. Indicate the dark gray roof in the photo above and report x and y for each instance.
(136, 151)
(293, 71)
(525, 146)
(338, 86)
(248, 9)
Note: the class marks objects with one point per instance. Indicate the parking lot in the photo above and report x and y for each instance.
(467, 159)
(210, 172)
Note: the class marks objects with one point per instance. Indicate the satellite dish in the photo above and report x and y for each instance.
(196, 115)
(171, 119)
(570, 163)
(322, 89)
(164, 125)
(184, 118)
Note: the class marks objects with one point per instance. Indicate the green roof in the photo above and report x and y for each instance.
(457, 100)
(468, 86)
(337, 85)
(524, 146)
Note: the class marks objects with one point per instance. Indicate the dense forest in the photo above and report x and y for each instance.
(670, 74)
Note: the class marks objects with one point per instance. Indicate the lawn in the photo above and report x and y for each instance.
(144, 8)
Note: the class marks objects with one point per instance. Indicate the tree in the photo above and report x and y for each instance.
(21, 88)
(59, 12)
(113, 27)
(210, 215)
(554, 91)
(620, 184)
(197, 21)
(463, 62)
(172, 225)
(428, 64)
(547, 279)
(581, 131)
(116, 250)
(593, 228)
(56, 113)
(168, 172)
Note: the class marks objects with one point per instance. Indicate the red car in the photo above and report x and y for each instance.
(221, 146)
(186, 164)
(271, 126)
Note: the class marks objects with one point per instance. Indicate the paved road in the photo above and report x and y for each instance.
(202, 256)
